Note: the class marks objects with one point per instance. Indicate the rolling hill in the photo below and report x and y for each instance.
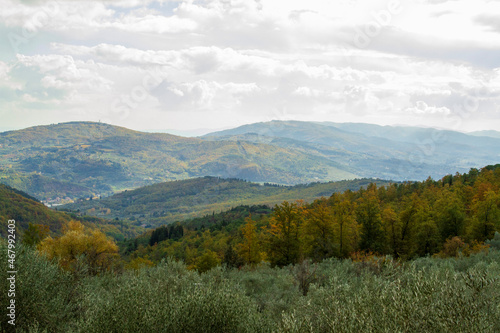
(168, 202)
(84, 159)
(58, 163)
(390, 152)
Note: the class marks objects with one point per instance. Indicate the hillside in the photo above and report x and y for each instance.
(24, 209)
(83, 158)
(178, 200)
(390, 152)
(453, 216)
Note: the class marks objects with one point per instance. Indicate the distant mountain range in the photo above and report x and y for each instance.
(78, 159)
(492, 134)
(389, 152)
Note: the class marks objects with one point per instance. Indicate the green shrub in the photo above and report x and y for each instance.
(45, 295)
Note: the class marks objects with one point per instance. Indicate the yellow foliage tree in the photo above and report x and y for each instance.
(207, 261)
(249, 249)
(98, 251)
(139, 263)
(319, 232)
(283, 234)
(346, 226)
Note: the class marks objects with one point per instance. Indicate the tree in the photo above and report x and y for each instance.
(207, 261)
(318, 230)
(158, 235)
(428, 238)
(35, 234)
(486, 218)
(248, 250)
(283, 234)
(368, 215)
(346, 226)
(231, 258)
(409, 217)
(392, 229)
(450, 214)
(98, 251)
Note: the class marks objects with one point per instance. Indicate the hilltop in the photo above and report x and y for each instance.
(85, 159)
(62, 162)
(389, 152)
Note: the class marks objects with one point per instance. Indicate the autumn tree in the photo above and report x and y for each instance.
(368, 215)
(97, 251)
(283, 234)
(249, 249)
(208, 260)
(450, 214)
(427, 237)
(410, 216)
(346, 226)
(392, 229)
(486, 218)
(319, 233)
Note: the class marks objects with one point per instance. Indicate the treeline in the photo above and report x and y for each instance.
(447, 217)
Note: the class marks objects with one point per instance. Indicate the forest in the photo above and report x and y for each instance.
(456, 214)
(405, 257)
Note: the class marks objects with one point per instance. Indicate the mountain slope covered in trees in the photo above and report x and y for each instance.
(83, 158)
(388, 152)
(25, 210)
(453, 216)
(178, 200)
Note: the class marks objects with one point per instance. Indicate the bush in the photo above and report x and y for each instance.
(45, 296)
(426, 295)
(166, 298)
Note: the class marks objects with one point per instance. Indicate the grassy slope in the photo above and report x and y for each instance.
(174, 201)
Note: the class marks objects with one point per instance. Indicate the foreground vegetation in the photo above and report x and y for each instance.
(410, 257)
(377, 295)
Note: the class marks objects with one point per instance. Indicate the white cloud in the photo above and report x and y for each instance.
(422, 108)
(242, 60)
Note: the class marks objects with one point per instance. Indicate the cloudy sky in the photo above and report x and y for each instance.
(216, 64)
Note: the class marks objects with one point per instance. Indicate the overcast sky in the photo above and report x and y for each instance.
(217, 64)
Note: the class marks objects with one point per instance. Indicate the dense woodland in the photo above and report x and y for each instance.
(407, 257)
(456, 214)
(174, 201)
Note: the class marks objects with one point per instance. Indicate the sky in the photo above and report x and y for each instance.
(215, 64)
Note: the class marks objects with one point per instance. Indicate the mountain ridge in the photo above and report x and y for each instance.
(104, 159)
(393, 152)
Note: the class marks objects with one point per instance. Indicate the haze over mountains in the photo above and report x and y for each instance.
(389, 152)
(85, 159)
